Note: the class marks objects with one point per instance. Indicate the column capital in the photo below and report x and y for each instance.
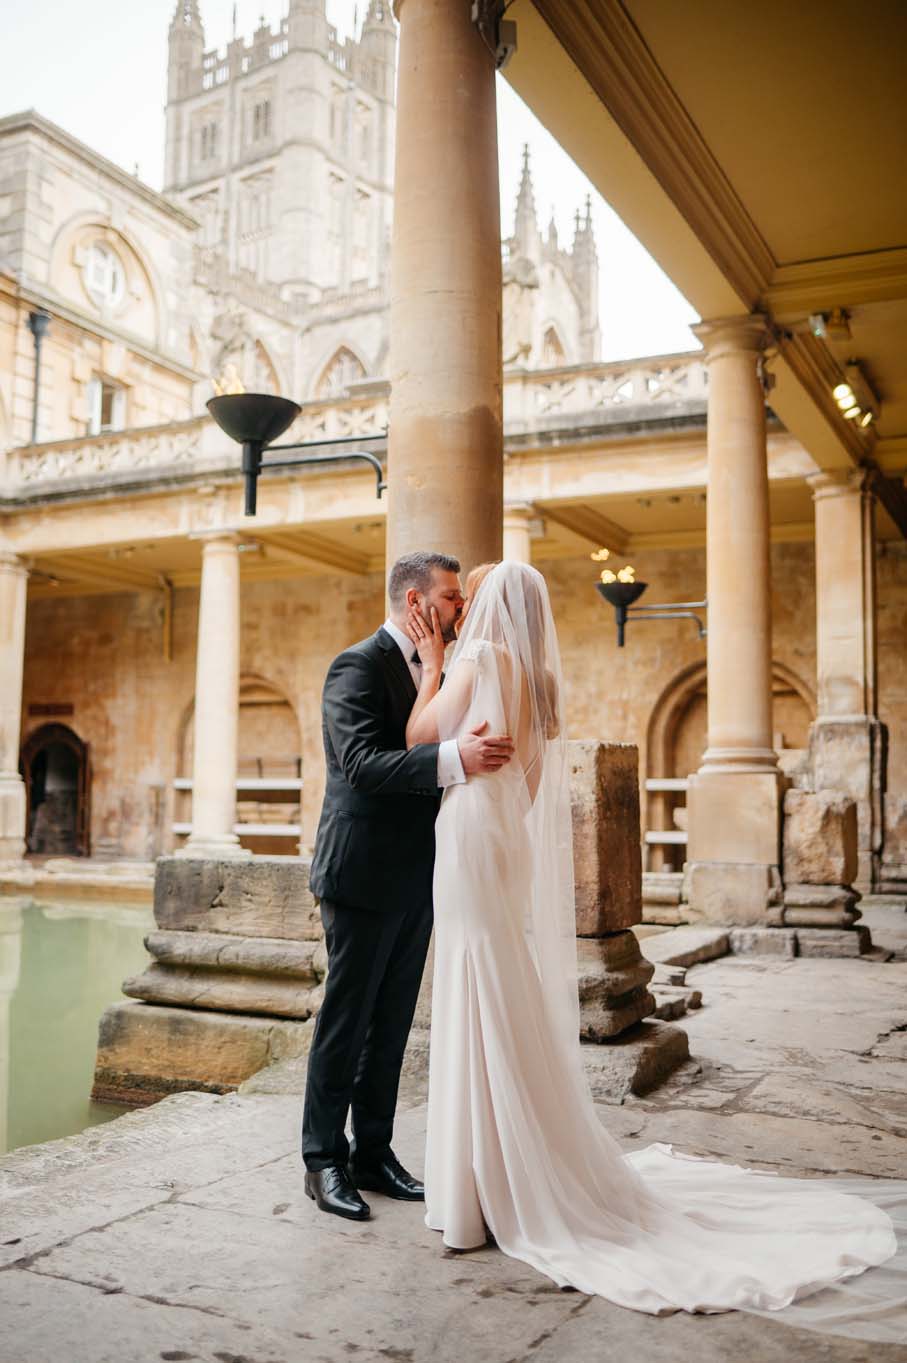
(11, 562)
(841, 483)
(721, 336)
(519, 511)
(208, 538)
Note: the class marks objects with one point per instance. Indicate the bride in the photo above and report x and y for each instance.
(514, 1144)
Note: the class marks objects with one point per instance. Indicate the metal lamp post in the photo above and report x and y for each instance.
(38, 322)
(253, 420)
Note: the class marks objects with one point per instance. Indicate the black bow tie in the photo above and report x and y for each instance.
(416, 660)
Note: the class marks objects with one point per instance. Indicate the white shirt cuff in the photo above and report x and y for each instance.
(450, 768)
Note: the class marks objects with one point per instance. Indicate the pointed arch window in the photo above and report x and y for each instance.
(553, 353)
(340, 371)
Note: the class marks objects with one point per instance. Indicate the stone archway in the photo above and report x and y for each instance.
(56, 769)
(676, 740)
(269, 768)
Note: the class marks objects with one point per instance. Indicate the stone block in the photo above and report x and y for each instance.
(854, 941)
(820, 906)
(146, 1051)
(604, 787)
(612, 980)
(251, 955)
(820, 838)
(742, 894)
(267, 897)
(686, 946)
(735, 817)
(636, 1061)
(227, 991)
(763, 942)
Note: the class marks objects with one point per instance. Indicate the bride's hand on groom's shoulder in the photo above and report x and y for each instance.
(428, 640)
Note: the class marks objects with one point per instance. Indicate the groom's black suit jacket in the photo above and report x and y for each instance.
(375, 846)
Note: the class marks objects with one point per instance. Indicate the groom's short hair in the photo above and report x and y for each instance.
(415, 570)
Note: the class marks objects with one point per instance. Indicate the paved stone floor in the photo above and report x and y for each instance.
(182, 1232)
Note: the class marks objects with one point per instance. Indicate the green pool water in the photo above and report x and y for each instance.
(61, 964)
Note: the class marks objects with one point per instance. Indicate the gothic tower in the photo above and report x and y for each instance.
(282, 147)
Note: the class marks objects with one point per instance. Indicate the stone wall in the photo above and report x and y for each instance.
(103, 655)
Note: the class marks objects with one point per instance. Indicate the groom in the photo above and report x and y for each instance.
(372, 871)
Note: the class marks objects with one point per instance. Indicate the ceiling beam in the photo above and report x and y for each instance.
(588, 524)
(96, 573)
(315, 552)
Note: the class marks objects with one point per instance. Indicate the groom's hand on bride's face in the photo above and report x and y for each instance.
(481, 751)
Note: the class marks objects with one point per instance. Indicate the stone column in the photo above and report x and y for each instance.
(13, 586)
(216, 704)
(846, 741)
(445, 457)
(734, 798)
(517, 546)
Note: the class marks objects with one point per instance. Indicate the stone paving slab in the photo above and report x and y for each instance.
(182, 1232)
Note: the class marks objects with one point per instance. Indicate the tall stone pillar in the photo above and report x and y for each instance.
(517, 541)
(216, 704)
(13, 587)
(445, 455)
(734, 798)
(846, 740)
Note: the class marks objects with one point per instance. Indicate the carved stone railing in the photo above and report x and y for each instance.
(583, 396)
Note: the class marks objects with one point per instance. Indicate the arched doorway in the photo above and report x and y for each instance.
(676, 741)
(57, 774)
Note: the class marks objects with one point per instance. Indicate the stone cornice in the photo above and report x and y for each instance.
(31, 121)
(609, 50)
(810, 286)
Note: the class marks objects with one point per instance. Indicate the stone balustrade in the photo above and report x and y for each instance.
(534, 401)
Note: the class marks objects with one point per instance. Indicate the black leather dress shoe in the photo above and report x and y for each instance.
(331, 1190)
(389, 1177)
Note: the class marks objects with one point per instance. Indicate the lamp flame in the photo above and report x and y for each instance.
(228, 382)
(607, 576)
(627, 574)
(600, 555)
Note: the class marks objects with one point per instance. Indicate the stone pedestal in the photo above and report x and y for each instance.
(613, 975)
(893, 871)
(13, 586)
(846, 753)
(238, 969)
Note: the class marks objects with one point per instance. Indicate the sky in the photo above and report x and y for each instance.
(98, 68)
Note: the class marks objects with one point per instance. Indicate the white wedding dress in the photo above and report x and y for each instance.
(514, 1142)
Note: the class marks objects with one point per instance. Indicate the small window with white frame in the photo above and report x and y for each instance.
(105, 277)
(106, 406)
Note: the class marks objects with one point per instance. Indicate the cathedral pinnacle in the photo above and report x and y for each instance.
(380, 14)
(525, 224)
(186, 15)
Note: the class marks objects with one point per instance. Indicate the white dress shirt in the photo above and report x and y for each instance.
(450, 767)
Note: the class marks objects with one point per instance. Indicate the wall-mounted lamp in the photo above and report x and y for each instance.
(855, 397)
(830, 326)
(255, 419)
(621, 590)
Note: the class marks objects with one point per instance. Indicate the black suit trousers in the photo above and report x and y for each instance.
(375, 966)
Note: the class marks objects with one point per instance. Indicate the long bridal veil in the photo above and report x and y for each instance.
(655, 1229)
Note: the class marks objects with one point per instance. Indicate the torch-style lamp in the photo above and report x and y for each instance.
(253, 420)
(622, 591)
